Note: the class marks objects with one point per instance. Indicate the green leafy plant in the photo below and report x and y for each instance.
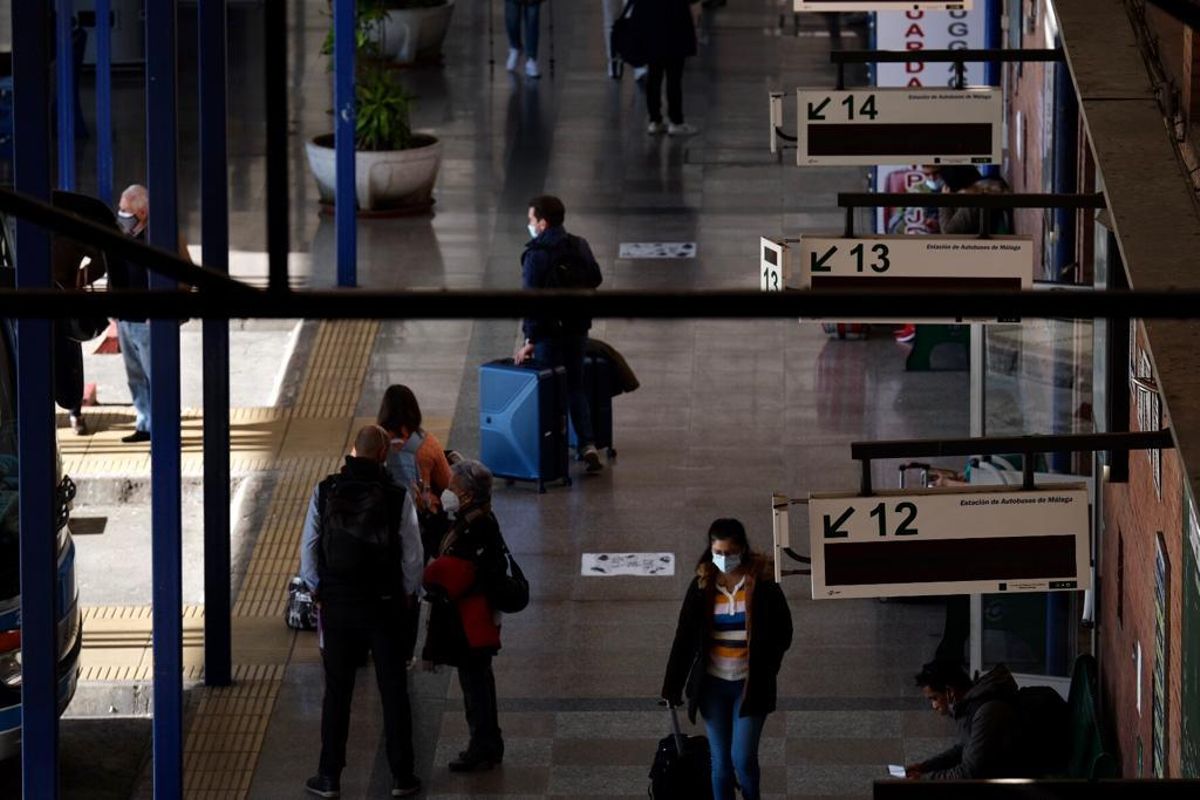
(383, 105)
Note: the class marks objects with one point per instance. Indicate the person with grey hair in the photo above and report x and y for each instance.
(463, 631)
(133, 333)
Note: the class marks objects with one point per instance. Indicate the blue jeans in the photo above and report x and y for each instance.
(567, 351)
(514, 15)
(134, 338)
(733, 739)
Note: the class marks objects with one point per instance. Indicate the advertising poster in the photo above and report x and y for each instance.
(923, 30)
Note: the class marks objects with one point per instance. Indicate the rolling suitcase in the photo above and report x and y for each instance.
(598, 383)
(523, 422)
(682, 767)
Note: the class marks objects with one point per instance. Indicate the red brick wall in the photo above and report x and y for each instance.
(1139, 515)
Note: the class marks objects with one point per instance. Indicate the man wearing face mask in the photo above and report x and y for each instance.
(360, 555)
(133, 333)
(555, 259)
(727, 673)
(988, 720)
(463, 628)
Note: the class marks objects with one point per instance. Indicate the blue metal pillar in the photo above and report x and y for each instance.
(214, 212)
(35, 414)
(104, 149)
(64, 63)
(166, 513)
(275, 54)
(345, 202)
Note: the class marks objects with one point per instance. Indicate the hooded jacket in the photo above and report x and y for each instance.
(768, 634)
(989, 731)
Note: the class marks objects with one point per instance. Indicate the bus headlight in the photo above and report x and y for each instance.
(10, 669)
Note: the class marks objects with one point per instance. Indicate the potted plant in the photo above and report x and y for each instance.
(413, 30)
(395, 167)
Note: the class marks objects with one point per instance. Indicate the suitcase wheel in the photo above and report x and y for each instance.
(541, 487)
(612, 453)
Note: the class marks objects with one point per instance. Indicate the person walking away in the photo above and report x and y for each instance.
(668, 28)
(133, 334)
(463, 631)
(416, 463)
(525, 14)
(361, 557)
(988, 723)
(555, 259)
(733, 631)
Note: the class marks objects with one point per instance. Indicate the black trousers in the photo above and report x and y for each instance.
(672, 70)
(349, 629)
(479, 701)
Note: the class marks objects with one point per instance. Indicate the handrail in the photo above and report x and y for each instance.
(117, 244)
(865, 304)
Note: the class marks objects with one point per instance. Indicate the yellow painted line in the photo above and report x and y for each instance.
(300, 446)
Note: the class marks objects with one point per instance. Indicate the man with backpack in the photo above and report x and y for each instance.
(361, 557)
(555, 259)
(1004, 732)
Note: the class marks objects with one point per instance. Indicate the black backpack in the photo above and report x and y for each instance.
(360, 543)
(570, 268)
(1045, 729)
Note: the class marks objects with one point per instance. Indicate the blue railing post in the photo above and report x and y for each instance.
(214, 213)
(166, 513)
(104, 149)
(35, 415)
(64, 68)
(275, 54)
(345, 202)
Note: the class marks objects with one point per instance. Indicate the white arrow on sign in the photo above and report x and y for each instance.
(899, 126)
(950, 541)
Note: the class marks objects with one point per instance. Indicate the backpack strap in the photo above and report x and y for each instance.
(414, 442)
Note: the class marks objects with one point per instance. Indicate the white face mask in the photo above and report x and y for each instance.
(533, 231)
(450, 502)
(727, 563)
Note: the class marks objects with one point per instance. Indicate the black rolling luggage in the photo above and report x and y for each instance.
(682, 767)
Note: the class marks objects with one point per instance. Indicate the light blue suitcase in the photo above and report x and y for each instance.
(523, 422)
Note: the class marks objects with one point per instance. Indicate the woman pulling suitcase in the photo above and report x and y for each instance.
(733, 630)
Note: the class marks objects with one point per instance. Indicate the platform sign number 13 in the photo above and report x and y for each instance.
(771, 279)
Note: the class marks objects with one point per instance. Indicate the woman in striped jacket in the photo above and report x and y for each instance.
(733, 630)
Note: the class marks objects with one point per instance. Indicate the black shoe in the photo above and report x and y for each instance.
(474, 762)
(135, 437)
(323, 786)
(406, 787)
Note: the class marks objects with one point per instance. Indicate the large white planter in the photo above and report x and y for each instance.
(415, 34)
(392, 180)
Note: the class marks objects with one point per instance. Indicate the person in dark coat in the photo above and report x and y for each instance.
(667, 29)
(463, 630)
(988, 718)
(733, 630)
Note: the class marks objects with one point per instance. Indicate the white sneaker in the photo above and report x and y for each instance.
(591, 457)
(682, 129)
(514, 58)
(656, 128)
(531, 69)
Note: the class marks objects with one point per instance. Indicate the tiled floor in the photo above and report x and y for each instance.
(728, 412)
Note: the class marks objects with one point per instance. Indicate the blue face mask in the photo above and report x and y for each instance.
(533, 231)
(727, 563)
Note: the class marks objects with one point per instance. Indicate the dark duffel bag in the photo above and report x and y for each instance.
(626, 40)
(682, 767)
